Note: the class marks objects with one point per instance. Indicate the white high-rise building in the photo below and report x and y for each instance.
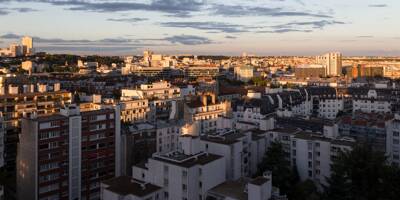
(27, 43)
(332, 62)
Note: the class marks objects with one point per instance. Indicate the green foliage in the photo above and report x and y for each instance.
(306, 190)
(259, 81)
(362, 174)
(283, 175)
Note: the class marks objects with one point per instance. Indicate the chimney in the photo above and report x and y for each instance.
(204, 100)
(213, 98)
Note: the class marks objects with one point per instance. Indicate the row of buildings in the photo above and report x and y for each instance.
(15, 50)
(175, 141)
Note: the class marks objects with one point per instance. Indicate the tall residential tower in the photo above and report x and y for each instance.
(333, 63)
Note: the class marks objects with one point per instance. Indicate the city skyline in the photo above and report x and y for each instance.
(269, 27)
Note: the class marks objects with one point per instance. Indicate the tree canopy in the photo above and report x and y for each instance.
(283, 175)
(362, 174)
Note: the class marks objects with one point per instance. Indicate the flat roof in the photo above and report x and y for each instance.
(125, 185)
(311, 136)
(49, 117)
(227, 139)
(233, 189)
(187, 161)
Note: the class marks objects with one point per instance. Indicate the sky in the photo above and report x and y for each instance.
(205, 27)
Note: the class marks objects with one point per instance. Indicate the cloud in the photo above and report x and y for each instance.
(210, 26)
(177, 8)
(11, 36)
(365, 36)
(304, 27)
(286, 30)
(6, 11)
(378, 5)
(313, 24)
(91, 49)
(188, 40)
(26, 10)
(239, 11)
(108, 43)
(128, 20)
(230, 37)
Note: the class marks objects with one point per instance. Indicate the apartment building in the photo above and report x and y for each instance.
(156, 71)
(168, 133)
(372, 101)
(68, 155)
(327, 102)
(393, 142)
(2, 133)
(372, 128)
(234, 147)
(138, 143)
(186, 176)
(254, 112)
(2, 136)
(136, 110)
(19, 100)
(164, 99)
(205, 110)
(332, 62)
(313, 155)
(244, 73)
(201, 71)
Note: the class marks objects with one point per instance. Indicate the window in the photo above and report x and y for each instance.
(55, 123)
(395, 134)
(309, 146)
(184, 174)
(165, 182)
(165, 169)
(395, 141)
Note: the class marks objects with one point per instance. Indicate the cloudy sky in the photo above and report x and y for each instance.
(229, 27)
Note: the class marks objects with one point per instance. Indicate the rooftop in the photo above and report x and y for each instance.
(223, 136)
(125, 185)
(186, 161)
(233, 189)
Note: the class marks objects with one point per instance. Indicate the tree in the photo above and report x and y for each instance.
(306, 190)
(274, 160)
(362, 174)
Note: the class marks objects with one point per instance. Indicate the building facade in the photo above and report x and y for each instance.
(68, 155)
